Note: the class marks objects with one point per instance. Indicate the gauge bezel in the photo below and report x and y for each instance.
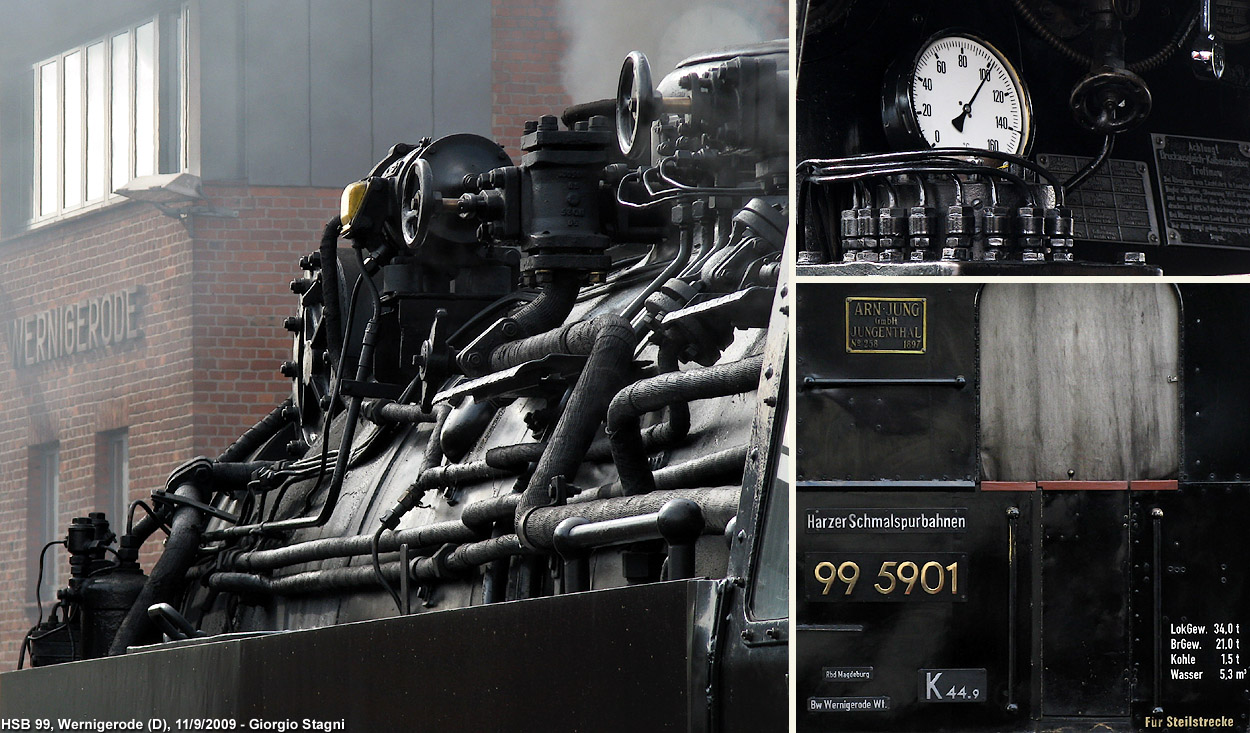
(898, 115)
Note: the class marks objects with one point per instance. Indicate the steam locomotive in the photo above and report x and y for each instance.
(1027, 137)
(1020, 506)
(535, 429)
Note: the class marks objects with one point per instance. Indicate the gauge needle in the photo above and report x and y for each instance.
(958, 122)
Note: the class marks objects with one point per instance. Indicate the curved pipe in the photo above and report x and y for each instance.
(169, 574)
(331, 312)
(256, 436)
(551, 306)
(718, 505)
(609, 339)
(714, 469)
(630, 404)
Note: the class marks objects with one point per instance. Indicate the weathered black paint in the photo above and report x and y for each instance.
(627, 659)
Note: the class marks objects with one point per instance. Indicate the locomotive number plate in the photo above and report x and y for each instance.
(886, 576)
(886, 325)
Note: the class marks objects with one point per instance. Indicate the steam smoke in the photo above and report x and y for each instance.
(602, 32)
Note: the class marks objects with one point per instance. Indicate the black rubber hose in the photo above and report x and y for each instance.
(430, 460)
(355, 577)
(575, 338)
(460, 474)
(254, 437)
(330, 310)
(169, 574)
(1092, 167)
(630, 404)
(611, 346)
(551, 306)
(467, 557)
(236, 475)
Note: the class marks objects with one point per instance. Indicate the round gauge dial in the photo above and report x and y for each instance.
(959, 91)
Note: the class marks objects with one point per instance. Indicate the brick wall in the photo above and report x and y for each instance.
(526, 47)
(214, 295)
(243, 270)
(143, 384)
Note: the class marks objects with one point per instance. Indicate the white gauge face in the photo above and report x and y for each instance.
(964, 94)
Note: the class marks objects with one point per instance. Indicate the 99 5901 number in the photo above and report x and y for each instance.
(886, 576)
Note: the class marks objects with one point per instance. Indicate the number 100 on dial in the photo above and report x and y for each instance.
(885, 576)
(958, 91)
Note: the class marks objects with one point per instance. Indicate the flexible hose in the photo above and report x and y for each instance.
(256, 436)
(551, 306)
(330, 310)
(169, 574)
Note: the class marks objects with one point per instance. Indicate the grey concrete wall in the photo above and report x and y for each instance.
(313, 92)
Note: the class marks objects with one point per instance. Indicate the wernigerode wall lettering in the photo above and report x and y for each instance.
(75, 328)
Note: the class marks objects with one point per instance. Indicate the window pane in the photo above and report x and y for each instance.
(97, 122)
(180, 78)
(121, 110)
(119, 477)
(44, 481)
(145, 99)
(49, 112)
(73, 129)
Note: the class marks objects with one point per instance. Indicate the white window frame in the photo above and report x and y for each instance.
(161, 139)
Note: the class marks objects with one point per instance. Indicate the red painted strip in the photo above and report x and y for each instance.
(1008, 485)
(1154, 485)
(1083, 485)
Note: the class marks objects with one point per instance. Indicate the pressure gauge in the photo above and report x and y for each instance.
(959, 92)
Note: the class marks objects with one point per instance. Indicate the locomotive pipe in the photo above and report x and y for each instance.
(518, 456)
(583, 112)
(169, 574)
(349, 428)
(330, 288)
(610, 342)
(628, 406)
(387, 411)
(430, 459)
(717, 505)
(680, 260)
(551, 306)
(256, 436)
(712, 469)
(476, 519)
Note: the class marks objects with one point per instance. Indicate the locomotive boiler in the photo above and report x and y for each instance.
(528, 473)
(1026, 137)
(1020, 506)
